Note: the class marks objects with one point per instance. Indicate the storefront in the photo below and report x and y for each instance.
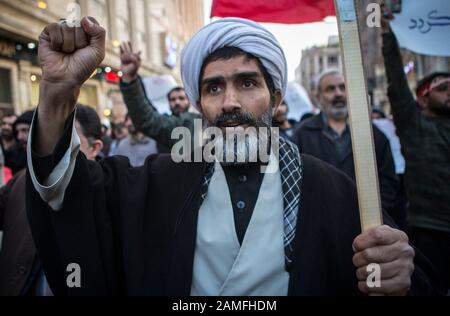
(9, 69)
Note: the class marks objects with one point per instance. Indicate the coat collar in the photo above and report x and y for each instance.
(316, 122)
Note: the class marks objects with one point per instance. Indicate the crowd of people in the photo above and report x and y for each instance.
(113, 201)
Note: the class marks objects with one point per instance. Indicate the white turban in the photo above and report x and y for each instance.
(244, 34)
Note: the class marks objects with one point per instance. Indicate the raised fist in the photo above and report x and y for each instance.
(130, 62)
(69, 55)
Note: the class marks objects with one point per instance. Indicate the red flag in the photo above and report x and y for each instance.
(275, 11)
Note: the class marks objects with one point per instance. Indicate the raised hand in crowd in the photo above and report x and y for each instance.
(130, 62)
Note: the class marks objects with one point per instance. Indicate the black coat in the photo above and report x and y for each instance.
(133, 230)
(18, 252)
(311, 139)
(16, 158)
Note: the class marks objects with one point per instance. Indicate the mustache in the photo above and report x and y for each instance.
(338, 100)
(239, 117)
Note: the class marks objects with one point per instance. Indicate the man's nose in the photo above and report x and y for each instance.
(339, 92)
(231, 102)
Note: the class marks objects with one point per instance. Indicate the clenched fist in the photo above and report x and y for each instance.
(69, 55)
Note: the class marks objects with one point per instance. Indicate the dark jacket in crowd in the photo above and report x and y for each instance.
(18, 252)
(425, 145)
(312, 139)
(16, 158)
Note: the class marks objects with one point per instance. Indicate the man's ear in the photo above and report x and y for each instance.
(97, 147)
(423, 102)
(278, 100)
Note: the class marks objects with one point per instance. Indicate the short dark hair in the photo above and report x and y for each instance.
(25, 118)
(8, 112)
(228, 52)
(89, 121)
(176, 89)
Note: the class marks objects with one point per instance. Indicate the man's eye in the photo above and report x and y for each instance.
(214, 89)
(248, 84)
(442, 88)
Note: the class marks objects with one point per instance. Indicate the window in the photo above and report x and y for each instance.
(332, 60)
(5, 91)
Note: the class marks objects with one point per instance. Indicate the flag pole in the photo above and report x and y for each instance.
(359, 115)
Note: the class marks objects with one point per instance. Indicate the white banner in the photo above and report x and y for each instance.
(157, 88)
(298, 101)
(423, 27)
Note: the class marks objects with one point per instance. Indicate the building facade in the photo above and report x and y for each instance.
(314, 61)
(158, 28)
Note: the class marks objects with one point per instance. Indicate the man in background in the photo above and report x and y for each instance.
(423, 126)
(327, 136)
(136, 146)
(21, 272)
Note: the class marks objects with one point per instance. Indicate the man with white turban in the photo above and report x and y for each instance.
(198, 228)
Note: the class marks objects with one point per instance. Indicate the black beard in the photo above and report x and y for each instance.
(441, 109)
(7, 136)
